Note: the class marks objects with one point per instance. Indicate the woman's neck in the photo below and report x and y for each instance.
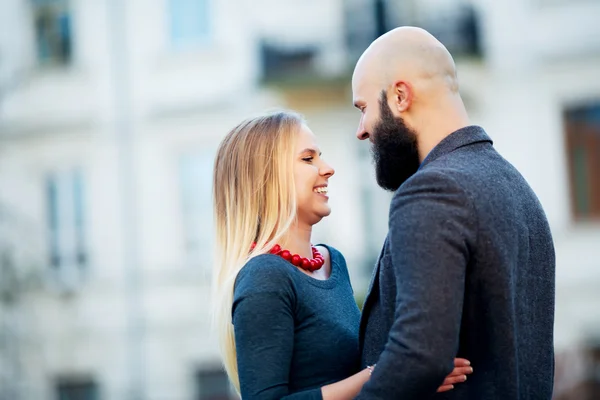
(297, 241)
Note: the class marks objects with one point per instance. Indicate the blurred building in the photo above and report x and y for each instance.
(110, 114)
(18, 265)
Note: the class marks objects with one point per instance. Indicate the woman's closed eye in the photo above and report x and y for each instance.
(308, 159)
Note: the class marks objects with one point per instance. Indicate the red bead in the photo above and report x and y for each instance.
(312, 265)
(286, 255)
(305, 263)
(296, 260)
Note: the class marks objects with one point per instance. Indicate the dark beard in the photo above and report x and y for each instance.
(395, 152)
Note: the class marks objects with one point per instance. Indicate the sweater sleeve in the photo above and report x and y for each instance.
(263, 318)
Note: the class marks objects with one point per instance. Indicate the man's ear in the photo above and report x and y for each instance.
(403, 96)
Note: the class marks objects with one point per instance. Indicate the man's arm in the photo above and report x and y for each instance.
(432, 224)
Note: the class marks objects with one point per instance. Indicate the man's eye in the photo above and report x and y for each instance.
(307, 159)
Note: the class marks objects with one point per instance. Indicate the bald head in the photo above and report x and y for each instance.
(410, 54)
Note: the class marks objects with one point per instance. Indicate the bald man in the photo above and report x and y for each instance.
(468, 266)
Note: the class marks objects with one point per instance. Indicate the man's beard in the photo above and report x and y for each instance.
(395, 152)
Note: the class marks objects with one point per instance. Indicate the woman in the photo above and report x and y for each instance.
(285, 310)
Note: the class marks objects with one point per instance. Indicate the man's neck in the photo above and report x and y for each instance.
(448, 119)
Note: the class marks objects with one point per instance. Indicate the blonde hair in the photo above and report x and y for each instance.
(254, 201)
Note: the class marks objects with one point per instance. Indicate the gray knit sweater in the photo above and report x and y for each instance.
(293, 333)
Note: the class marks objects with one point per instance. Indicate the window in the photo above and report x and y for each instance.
(189, 22)
(66, 222)
(212, 384)
(195, 174)
(77, 390)
(52, 23)
(281, 63)
(583, 155)
(458, 29)
(82, 389)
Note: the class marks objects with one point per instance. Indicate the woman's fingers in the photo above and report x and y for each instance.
(461, 362)
(462, 367)
(445, 388)
(451, 380)
(461, 371)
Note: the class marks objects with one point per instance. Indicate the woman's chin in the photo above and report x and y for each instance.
(324, 213)
(314, 217)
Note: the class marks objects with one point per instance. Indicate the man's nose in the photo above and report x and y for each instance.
(362, 133)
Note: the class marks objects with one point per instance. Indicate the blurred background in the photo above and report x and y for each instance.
(110, 114)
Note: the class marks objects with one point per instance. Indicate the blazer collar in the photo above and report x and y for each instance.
(460, 138)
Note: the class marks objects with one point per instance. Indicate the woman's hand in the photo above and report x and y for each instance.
(462, 368)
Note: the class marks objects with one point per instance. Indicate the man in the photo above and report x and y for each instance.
(467, 268)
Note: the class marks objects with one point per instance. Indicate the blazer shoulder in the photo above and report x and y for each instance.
(434, 180)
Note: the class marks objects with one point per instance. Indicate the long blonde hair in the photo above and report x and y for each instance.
(254, 201)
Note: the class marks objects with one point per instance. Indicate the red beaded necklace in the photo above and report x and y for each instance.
(309, 265)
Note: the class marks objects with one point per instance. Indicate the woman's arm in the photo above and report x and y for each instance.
(350, 387)
(346, 389)
(263, 318)
(264, 339)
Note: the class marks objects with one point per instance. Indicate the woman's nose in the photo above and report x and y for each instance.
(327, 170)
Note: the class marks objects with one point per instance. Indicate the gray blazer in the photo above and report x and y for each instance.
(468, 270)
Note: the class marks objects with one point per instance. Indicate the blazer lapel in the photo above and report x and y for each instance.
(372, 285)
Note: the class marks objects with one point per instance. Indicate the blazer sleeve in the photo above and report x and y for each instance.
(431, 225)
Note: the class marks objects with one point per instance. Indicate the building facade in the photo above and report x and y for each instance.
(110, 114)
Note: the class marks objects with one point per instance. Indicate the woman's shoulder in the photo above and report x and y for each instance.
(264, 273)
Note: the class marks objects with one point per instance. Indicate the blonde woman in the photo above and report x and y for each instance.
(285, 310)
